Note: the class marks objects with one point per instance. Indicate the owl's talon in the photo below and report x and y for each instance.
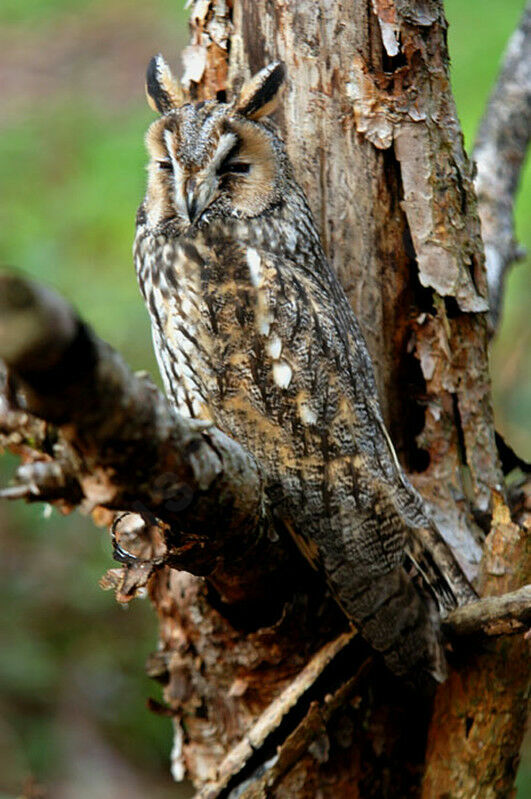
(200, 425)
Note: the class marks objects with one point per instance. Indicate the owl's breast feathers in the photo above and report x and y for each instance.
(269, 350)
(267, 347)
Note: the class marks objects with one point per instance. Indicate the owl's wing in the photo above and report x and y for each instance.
(309, 331)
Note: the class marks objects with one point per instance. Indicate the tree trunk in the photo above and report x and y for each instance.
(371, 128)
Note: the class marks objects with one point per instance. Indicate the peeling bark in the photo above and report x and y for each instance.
(480, 714)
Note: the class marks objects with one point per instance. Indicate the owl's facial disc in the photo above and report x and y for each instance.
(227, 166)
(212, 158)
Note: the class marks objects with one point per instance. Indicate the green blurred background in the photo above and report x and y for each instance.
(72, 688)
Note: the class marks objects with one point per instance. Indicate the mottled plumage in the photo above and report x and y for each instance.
(253, 331)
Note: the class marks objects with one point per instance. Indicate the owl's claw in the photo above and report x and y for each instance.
(200, 425)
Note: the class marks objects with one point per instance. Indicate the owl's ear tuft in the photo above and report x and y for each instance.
(260, 95)
(163, 91)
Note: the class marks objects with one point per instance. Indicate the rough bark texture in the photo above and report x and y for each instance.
(270, 694)
(480, 713)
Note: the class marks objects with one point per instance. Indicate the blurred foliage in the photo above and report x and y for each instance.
(32, 13)
(78, 204)
(73, 689)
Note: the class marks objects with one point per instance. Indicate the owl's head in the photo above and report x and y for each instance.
(212, 158)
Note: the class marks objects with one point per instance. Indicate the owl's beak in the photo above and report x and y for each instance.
(198, 196)
(191, 199)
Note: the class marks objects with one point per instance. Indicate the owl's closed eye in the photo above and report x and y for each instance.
(211, 158)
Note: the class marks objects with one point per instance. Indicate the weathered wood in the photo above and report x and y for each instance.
(480, 713)
(374, 137)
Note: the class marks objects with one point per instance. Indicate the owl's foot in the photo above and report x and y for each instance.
(200, 425)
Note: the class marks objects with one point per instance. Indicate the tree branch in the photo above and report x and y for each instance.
(493, 615)
(499, 152)
(118, 444)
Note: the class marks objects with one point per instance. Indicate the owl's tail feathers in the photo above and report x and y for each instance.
(428, 550)
(403, 626)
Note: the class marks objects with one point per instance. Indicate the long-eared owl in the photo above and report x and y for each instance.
(253, 331)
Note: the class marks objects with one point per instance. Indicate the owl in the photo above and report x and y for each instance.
(253, 332)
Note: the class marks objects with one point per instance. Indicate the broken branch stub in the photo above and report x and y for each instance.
(492, 615)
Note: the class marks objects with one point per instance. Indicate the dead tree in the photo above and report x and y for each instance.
(270, 693)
